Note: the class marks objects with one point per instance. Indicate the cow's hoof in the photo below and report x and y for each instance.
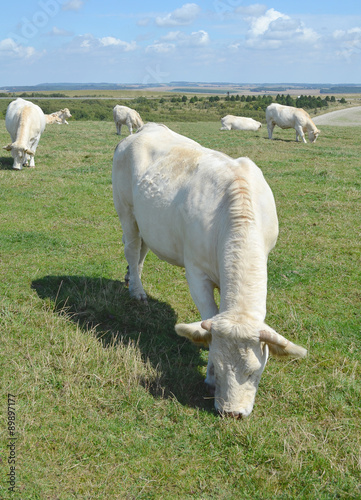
(142, 296)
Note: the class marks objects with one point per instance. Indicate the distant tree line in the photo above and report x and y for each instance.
(177, 107)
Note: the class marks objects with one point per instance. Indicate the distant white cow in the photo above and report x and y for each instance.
(231, 122)
(25, 123)
(290, 117)
(215, 216)
(58, 117)
(126, 116)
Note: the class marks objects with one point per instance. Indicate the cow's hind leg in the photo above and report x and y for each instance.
(135, 251)
(143, 253)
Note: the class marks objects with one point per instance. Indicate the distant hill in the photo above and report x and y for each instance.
(74, 86)
(183, 85)
(342, 89)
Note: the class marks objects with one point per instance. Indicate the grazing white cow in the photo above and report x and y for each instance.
(58, 117)
(126, 116)
(231, 122)
(215, 216)
(25, 123)
(290, 117)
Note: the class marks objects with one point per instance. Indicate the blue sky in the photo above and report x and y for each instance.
(209, 41)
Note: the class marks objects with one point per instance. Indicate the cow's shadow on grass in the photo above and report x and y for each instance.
(279, 139)
(6, 162)
(103, 306)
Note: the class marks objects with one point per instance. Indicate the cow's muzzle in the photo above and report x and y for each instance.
(237, 415)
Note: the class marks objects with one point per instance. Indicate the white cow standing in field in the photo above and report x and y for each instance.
(215, 216)
(25, 123)
(126, 116)
(59, 117)
(231, 122)
(290, 117)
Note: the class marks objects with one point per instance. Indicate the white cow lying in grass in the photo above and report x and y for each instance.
(215, 216)
(126, 116)
(59, 117)
(231, 122)
(25, 123)
(290, 117)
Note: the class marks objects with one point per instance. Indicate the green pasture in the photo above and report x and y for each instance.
(109, 402)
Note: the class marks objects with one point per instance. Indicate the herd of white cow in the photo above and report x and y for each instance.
(202, 210)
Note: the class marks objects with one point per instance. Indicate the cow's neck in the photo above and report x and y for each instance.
(243, 269)
(311, 127)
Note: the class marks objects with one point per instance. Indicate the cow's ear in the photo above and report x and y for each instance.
(8, 147)
(194, 332)
(29, 152)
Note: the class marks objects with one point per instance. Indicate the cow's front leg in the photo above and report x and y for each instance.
(202, 292)
(210, 379)
(130, 126)
(299, 133)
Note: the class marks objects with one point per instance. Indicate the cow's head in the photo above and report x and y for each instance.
(66, 113)
(238, 352)
(313, 134)
(19, 154)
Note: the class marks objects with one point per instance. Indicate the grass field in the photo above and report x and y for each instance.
(109, 402)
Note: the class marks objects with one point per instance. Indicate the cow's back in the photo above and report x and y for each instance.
(178, 192)
(159, 175)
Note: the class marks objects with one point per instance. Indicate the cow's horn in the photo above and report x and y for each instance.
(285, 347)
(273, 338)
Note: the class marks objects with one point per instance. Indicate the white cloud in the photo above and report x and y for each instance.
(73, 5)
(199, 38)
(180, 17)
(195, 39)
(273, 30)
(109, 41)
(352, 33)
(259, 25)
(178, 39)
(349, 42)
(160, 48)
(9, 49)
(89, 43)
(59, 32)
